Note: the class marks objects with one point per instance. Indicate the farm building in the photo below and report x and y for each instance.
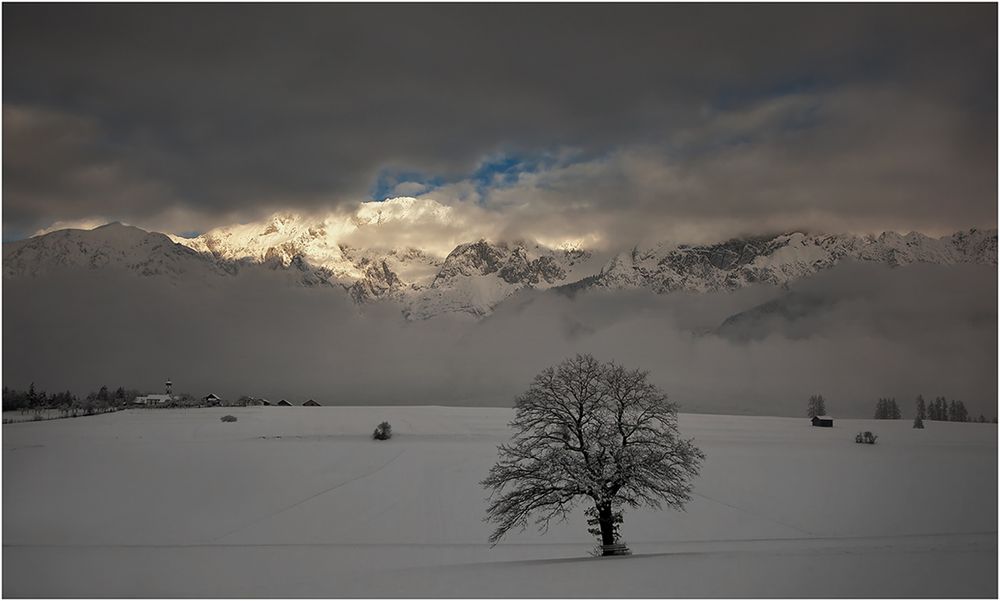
(284, 403)
(822, 421)
(212, 399)
(311, 403)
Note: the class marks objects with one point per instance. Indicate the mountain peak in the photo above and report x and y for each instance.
(113, 245)
(402, 209)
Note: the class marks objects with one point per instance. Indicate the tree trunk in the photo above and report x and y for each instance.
(606, 520)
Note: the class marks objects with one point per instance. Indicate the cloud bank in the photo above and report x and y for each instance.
(641, 122)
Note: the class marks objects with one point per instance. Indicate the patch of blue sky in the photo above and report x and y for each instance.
(506, 169)
(495, 171)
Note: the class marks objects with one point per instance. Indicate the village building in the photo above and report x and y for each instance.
(284, 403)
(311, 403)
(157, 399)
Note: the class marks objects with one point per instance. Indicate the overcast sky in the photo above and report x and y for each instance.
(692, 122)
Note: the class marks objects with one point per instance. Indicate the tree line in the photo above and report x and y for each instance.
(887, 409)
(99, 401)
(940, 409)
(817, 406)
(954, 411)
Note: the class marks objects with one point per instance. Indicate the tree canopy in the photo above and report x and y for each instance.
(587, 429)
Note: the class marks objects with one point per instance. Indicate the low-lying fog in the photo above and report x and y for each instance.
(853, 334)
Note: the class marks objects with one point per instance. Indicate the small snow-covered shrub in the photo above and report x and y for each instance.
(382, 432)
(228, 418)
(865, 438)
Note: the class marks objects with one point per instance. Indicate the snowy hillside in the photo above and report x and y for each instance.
(471, 277)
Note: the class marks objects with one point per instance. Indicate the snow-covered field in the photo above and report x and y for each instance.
(299, 502)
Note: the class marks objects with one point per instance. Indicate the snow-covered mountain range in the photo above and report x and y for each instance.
(475, 276)
(778, 260)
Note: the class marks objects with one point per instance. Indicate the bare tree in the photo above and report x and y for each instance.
(589, 430)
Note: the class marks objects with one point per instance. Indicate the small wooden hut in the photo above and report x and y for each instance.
(822, 421)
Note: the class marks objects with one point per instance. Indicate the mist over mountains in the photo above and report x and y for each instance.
(288, 309)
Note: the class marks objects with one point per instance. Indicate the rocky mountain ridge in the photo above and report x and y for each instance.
(476, 276)
(778, 260)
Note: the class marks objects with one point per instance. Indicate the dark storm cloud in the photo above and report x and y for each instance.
(193, 115)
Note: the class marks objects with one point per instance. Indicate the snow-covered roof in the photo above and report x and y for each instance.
(823, 417)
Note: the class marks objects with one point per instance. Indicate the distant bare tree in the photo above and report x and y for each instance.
(590, 430)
